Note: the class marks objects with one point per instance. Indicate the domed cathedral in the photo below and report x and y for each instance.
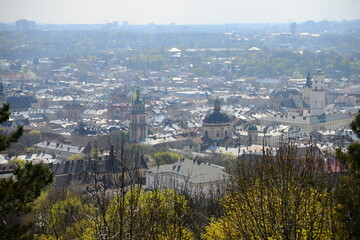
(217, 125)
(138, 127)
(314, 93)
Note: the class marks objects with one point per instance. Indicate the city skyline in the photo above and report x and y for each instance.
(179, 12)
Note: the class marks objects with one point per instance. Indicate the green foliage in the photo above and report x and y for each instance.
(31, 138)
(75, 157)
(17, 161)
(30, 150)
(258, 213)
(355, 125)
(69, 219)
(348, 205)
(16, 194)
(5, 141)
(281, 197)
(135, 215)
(149, 215)
(161, 158)
(348, 189)
(95, 153)
(337, 56)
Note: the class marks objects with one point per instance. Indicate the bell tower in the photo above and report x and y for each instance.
(314, 93)
(138, 127)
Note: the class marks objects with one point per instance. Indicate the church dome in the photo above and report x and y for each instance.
(217, 115)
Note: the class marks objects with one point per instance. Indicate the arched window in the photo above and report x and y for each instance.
(226, 133)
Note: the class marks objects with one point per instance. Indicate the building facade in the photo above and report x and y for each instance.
(311, 116)
(190, 175)
(314, 93)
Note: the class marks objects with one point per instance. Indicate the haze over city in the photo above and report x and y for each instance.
(179, 119)
(177, 11)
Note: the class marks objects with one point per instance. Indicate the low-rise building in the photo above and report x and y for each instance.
(191, 175)
(62, 151)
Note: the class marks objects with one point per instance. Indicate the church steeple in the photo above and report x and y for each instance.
(217, 105)
(136, 97)
(138, 126)
(138, 94)
(308, 80)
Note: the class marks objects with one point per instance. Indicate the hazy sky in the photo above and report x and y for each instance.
(178, 11)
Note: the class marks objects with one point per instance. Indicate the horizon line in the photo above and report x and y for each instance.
(184, 24)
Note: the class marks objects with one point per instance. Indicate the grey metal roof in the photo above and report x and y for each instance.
(60, 147)
(195, 171)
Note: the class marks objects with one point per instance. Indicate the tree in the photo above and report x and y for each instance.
(282, 197)
(161, 158)
(348, 189)
(149, 215)
(29, 139)
(16, 194)
(5, 141)
(21, 189)
(70, 219)
(75, 157)
(30, 150)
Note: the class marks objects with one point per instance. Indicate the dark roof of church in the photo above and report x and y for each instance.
(284, 93)
(288, 103)
(217, 116)
(19, 102)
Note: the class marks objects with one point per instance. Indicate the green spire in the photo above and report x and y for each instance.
(308, 80)
(138, 94)
(217, 104)
(136, 97)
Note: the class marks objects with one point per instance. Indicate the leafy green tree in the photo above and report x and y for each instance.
(16, 195)
(75, 157)
(282, 197)
(161, 158)
(29, 139)
(71, 218)
(30, 150)
(149, 215)
(348, 190)
(21, 189)
(355, 124)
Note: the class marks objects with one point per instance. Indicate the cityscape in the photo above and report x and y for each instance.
(180, 131)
